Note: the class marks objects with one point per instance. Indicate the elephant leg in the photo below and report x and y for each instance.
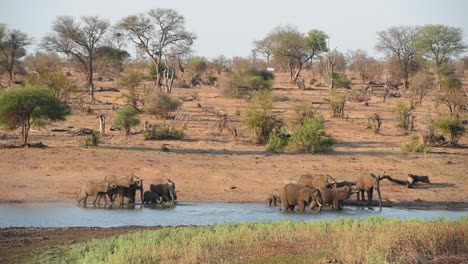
(95, 199)
(380, 197)
(369, 196)
(362, 196)
(301, 206)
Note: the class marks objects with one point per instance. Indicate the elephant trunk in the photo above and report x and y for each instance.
(378, 193)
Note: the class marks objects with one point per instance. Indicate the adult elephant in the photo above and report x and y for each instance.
(334, 196)
(126, 187)
(96, 189)
(368, 183)
(165, 191)
(300, 195)
(316, 181)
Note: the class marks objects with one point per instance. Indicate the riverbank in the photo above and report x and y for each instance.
(343, 240)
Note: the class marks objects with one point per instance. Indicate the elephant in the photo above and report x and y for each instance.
(367, 183)
(335, 196)
(316, 181)
(345, 183)
(96, 189)
(126, 187)
(297, 194)
(150, 197)
(165, 190)
(274, 199)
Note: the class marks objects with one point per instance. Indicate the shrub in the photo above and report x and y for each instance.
(337, 103)
(277, 142)
(161, 104)
(415, 144)
(374, 121)
(259, 117)
(310, 137)
(245, 82)
(359, 95)
(163, 132)
(451, 126)
(341, 81)
(302, 112)
(402, 113)
(91, 140)
(126, 118)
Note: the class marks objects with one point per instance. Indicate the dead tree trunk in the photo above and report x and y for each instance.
(102, 124)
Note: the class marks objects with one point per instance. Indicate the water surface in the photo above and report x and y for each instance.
(63, 214)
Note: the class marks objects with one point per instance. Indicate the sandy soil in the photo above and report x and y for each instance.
(209, 165)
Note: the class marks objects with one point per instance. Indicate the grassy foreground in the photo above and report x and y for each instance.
(371, 240)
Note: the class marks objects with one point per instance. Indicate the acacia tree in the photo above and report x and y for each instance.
(439, 43)
(12, 48)
(79, 40)
(29, 106)
(265, 47)
(399, 41)
(158, 33)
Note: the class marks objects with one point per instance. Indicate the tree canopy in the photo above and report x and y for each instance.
(30, 106)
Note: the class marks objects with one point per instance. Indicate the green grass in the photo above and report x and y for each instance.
(371, 240)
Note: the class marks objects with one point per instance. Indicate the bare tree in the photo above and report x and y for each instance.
(158, 33)
(79, 40)
(12, 48)
(265, 47)
(421, 84)
(367, 67)
(399, 41)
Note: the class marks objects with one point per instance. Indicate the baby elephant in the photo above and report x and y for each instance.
(335, 196)
(300, 195)
(274, 199)
(150, 197)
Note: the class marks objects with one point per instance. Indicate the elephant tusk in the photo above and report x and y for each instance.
(319, 204)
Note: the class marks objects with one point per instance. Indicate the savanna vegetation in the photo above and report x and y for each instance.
(371, 240)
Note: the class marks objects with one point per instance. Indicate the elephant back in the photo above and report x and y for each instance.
(124, 181)
(316, 181)
(102, 186)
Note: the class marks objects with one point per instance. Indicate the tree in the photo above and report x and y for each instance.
(195, 67)
(316, 41)
(439, 43)
(452, 95)
(158, 33)
(131, 78)
(421, 85)
(160, 104)
(78, 40)
(451, 126)
(399, 41)
(29, 106)
(12, 48)
(126, 118)
(367, 67)
(310, 137)
(110, 61)
(265, 47)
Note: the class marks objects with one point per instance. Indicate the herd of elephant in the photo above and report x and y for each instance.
(323, 190)
(127, 186)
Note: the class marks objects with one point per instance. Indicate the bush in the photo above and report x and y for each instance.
(161, 104)
(310, 137)
(91, 140)
(415, 144)
(162, 133)
(359, 95)
(375, 122)
(337, 103)
(302, 112)
(402, 113)
(259, 117)
(452, 127)
(246, 82)
(277, 142)
(126, 118)
(341, 81)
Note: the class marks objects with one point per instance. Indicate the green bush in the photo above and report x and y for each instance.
(302, 112)
(161, 104)
(341, 81)
(277, 142)
(402, 113)
(126, 118)
(259, 118)
(91, 140)
(163, 133)
(244, 83)
(310, 137)
(452, 127)
(415, 144)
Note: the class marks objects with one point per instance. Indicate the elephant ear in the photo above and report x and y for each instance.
(124, 181)
(102, 186)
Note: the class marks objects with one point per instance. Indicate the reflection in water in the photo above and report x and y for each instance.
(72, 215)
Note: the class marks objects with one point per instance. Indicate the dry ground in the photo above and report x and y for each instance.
(212, 166)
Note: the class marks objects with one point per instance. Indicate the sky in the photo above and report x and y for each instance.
(229, 28)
